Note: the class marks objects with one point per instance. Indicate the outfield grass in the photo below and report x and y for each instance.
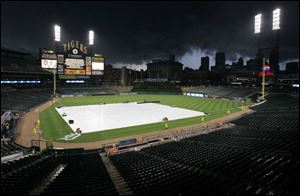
(54, 127)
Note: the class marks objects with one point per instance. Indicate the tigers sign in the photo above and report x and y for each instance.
(75, 45)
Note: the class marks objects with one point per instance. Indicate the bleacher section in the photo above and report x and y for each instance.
(8, 130)
(23, 99)
(71, 172)
(242, 160)
(26, 177)
(12, 166)
(9, 147)
(157, 88)
(223, 92)
(84, 173)
(18, 60)
(74, 91)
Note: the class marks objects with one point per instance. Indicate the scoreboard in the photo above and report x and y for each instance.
(48, 59)
(73, 62)
(97, 65)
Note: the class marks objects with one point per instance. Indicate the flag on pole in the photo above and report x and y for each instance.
(267, 67)
(267, 73)
(267, 70)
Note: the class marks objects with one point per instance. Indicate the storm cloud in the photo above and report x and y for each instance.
(133, 33)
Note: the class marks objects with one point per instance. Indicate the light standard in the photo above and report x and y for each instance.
(257, 23)
(57, 34)
(91, 41)
(91, 48)
(276, 27)
(257, 30)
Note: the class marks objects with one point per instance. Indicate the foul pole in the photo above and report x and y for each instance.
(263, 80)
(54, 82)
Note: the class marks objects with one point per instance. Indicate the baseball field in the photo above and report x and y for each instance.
(54, 127)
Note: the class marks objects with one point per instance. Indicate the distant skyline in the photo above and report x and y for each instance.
(134, 33)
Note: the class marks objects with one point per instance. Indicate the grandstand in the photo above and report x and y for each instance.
(8, 148)
(23, 99)
(19, 60)
(8, 132)
(157, 88)
(17, 100)
(244, 160)
(70, 172)
(85, 91)
(223, 92)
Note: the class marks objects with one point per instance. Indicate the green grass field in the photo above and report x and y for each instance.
(54, 127)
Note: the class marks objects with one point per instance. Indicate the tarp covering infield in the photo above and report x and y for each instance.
(92, 118)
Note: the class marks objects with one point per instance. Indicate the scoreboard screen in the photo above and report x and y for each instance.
(74, 62)
(48, 59)
(49, 64)
(97, 65)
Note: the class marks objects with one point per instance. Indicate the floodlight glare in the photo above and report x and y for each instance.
(257, 23)
(57, 33)
(91, 37)
(276, 19)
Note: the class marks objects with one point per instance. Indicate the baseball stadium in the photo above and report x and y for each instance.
(71, 123)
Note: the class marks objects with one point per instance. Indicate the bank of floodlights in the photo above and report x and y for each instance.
(57, 33)
(275, 23)
(257, 23)
(91, 37)
(276, 19)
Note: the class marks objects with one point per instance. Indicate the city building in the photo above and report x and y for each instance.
(292, 67)
(220, 59)
(274, 62)
(122, 76)
(240, 62)
(112, 75)
(251, 65)
(164, 70)
(204, 64)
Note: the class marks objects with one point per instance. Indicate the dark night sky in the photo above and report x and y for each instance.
(133, 33)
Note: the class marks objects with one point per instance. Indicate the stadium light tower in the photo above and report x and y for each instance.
(91, 41)
(276, 19)
(257, 27)
(91, 37)
(257, 30)
(276, 27)
(57, 35)
(257, 23)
